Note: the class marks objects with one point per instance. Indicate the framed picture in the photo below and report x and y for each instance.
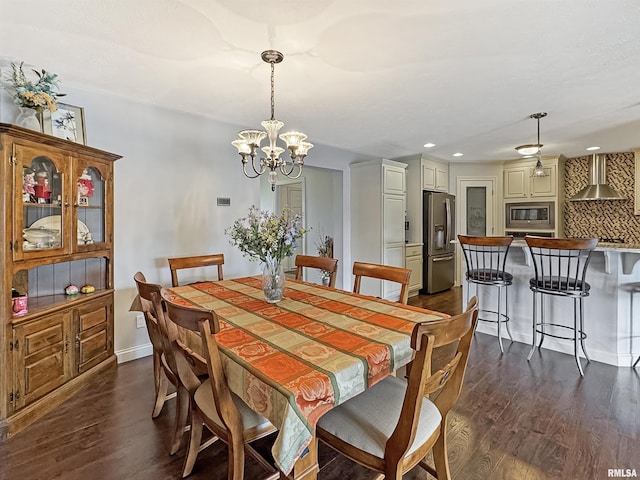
(66, 122)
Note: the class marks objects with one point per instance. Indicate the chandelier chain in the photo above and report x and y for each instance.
(273, 102)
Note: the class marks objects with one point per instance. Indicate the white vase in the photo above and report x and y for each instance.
(28, 118)
(273, 280)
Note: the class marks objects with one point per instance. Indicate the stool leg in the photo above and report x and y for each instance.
(541, 320)
(500, 322)
(535, 331)
(506, 311)
(636, 362)
(576, 337)
(582, 335)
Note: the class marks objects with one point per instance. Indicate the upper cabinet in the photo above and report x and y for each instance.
(518, 182)
(435, 175)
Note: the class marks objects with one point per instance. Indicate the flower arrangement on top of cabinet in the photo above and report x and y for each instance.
(39, 94)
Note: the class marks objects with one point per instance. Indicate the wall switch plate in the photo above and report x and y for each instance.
(140, 320)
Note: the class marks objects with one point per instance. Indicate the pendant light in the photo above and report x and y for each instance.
(535, 149)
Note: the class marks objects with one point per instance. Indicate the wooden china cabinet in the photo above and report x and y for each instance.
(57, 207)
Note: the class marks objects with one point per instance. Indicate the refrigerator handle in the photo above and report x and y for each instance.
(447, 206)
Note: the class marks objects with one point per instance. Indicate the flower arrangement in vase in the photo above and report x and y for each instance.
(33, 96)
(269, 238)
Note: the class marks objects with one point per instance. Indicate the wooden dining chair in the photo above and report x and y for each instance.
(326, 264)
(198, 261)
(162, 372)
(225, 414)
(390, 427)
(383, 272)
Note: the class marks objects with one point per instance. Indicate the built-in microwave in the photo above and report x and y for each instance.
(530, 215)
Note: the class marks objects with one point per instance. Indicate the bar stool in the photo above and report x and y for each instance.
(485, 258)
(560, 266)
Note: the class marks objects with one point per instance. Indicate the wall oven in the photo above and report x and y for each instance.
(530, 215)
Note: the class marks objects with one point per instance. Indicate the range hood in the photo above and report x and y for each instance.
(597, 188)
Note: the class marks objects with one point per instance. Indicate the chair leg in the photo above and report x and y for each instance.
(506, 311)
(236, 458)
(182, 413)
(160, 384)
(582, 337)
(576, 338)
(440, 456)
(535, 328)
(195, 437)
(500, 321)
(541, 320)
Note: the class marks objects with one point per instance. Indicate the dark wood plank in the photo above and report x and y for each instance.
(514, 420)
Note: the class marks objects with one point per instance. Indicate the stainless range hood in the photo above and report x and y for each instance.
(597, 188)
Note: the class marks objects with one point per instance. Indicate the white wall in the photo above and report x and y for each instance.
(174, 166)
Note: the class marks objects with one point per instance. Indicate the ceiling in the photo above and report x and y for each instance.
(372, 76)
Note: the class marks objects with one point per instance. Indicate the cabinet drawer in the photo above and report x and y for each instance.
(92, 318)
(412, 251)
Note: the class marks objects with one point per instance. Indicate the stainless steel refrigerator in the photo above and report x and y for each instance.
(439, 255)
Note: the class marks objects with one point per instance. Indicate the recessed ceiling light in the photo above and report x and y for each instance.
(429, 145)
(593, 148)
(458, 154)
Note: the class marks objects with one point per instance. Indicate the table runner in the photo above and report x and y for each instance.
(294, 360)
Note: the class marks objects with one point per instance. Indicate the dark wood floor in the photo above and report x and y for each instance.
(514, 420)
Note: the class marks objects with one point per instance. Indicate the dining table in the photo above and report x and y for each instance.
(294, 360)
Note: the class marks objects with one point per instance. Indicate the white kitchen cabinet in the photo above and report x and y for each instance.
(520, 186)
(435, 176)
(413, 261)
(518, 182)
(378, 204)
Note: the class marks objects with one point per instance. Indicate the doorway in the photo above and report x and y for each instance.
(290, 194)
(476, 210)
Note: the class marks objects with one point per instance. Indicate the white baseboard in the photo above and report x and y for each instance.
(134, 353)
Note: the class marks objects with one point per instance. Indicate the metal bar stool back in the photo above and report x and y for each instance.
(486, 258)
(560, 269)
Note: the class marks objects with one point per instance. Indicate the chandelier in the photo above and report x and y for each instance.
(248, 142)
(535, 149)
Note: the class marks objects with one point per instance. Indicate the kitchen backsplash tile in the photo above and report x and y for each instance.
(607, 218)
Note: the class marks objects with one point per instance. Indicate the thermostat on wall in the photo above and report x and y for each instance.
(224, 201)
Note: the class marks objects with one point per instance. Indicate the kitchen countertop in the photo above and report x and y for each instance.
(602, 246)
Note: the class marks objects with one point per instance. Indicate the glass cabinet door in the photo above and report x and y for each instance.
(41, 206)
(89, 205)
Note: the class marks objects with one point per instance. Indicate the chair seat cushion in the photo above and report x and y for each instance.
(559, 284)
(486, 275)
(367, 420)
(204, 400)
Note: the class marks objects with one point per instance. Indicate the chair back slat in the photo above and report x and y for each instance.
(383, 272)
(197, 261)
(485, 257)
(560, 264)
(325, 264)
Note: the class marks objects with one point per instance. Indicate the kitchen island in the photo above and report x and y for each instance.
(611, 313)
